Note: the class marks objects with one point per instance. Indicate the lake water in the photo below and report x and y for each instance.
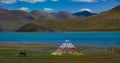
(98, 39)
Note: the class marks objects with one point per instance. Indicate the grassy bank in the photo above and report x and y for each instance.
(41, 54)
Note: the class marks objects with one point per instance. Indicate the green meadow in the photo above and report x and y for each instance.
(41, 54)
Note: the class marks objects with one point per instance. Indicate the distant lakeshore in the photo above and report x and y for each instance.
(8, 45)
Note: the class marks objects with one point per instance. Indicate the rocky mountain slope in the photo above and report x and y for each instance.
(105, 21)
(10, 20)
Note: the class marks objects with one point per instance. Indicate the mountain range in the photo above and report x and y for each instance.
(84, 14)
(62, 15)
(16, 20)
(11, 20)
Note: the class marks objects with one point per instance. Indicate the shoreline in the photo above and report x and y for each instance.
(46, 46)
(5, 45)
(51, 48)
(69, 32)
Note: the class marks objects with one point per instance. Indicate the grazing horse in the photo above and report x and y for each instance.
(22, 54)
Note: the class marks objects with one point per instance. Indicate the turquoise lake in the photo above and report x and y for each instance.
(94, 39)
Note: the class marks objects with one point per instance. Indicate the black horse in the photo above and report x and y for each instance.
(22, 54)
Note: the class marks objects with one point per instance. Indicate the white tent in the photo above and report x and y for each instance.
(66, 48)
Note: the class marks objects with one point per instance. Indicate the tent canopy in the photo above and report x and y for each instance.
(66, 48)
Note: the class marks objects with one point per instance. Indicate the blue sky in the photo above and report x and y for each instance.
(60, 5)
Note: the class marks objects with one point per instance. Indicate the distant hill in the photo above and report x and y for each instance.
(10, 20)
(39, 15)
(37, 21)
(105, 21)
(42, 15)
(32, 27)
(64, 15)
(54, 16)
(84, 14)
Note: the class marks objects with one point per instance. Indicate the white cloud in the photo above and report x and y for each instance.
(33, 1)
(7, 1)
(24, 8)
(86, 9)
(55, 0)
(48, 9)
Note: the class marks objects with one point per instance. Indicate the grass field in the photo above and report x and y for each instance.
(41, 54)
